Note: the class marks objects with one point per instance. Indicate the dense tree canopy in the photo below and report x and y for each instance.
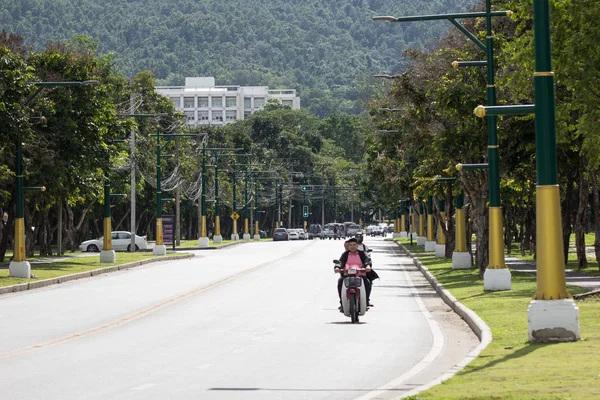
(321, 47)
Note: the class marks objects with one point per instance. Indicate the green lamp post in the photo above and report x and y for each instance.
(430, 242)
(552, 314)
(461, 258)
(19, 267)
(497, 275)
(421, 238)
(440, 244)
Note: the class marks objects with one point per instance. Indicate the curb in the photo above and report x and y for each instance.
(87, 274)
(477, 325)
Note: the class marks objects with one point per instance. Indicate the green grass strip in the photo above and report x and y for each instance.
(511, 367)
(71, 265)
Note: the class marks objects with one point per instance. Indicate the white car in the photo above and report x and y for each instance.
(301, 234)
(293, 234)
(121, 240)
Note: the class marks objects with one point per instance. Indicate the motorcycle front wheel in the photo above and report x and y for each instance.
(352, 305)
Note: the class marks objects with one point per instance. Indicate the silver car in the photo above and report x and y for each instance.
(353, 230)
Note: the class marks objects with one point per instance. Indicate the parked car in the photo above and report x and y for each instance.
(262, 234)
(280, 234)
(120, 241)
(293, 234)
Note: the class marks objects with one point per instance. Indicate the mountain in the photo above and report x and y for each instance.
(326, 49)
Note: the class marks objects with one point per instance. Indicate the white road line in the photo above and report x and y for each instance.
(143, 387)
(436, 348)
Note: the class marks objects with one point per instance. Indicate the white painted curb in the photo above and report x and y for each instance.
(477, 325)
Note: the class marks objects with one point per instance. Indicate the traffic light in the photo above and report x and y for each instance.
(309, 188)
(305, 211)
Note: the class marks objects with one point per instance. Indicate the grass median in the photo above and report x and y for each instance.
(73, 264)
(511, 367)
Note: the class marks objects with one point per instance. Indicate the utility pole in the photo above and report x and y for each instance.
(132, 165)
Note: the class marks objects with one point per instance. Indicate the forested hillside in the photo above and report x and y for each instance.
(324, 48)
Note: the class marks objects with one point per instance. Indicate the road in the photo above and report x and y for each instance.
(252, 321)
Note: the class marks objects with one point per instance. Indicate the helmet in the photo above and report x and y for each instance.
(359, 238)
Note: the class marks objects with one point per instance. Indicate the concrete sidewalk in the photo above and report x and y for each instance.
(575, 278)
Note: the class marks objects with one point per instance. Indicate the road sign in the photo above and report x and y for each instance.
(235, 215)
(306, 188)
(168, 228)
(305, 211)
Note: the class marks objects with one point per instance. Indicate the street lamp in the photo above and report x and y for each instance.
(19, 266)
(552, 315)
(497, 276)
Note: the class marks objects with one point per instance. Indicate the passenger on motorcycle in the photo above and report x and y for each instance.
(361, 245)
(353, 256)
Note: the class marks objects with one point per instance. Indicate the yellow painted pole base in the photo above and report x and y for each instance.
(551, 280)
(19, 249)
(107, 242)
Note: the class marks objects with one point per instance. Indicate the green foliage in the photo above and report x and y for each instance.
(321, 47)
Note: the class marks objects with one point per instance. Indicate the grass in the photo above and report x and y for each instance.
(511, 367)
(71, 265)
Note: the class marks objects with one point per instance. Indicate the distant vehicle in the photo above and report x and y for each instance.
(301, 234)
(334, 230)
(293, 234)
(120, 241)
(262, 234)
(315, 230)
(377, 230)
(353, 230)
(280, 234)
(369, 230)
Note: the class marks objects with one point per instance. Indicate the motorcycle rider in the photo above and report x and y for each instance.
(361, 245)
(353, 256)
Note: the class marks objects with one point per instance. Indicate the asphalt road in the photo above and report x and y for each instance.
(252, 321)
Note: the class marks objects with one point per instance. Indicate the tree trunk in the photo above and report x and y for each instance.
(476, 187)
(594, 179)
(567, 211)
(580, 219)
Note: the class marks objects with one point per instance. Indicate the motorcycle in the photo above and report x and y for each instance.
(353, 294)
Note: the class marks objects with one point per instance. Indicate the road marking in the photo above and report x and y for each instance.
(434, 352)
(144, 311)
(143, 387)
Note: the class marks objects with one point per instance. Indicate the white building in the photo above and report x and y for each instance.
(205, 103)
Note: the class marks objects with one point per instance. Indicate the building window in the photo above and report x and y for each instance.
(247, 114)
(217, 102)
(231, 115)
(247, 104)
(287, 103)
(259, 102)
(190, 116)
(217, 116)
(230, 101)
(188, 102)
(203, 115)
(202, 102)
(175, 101)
